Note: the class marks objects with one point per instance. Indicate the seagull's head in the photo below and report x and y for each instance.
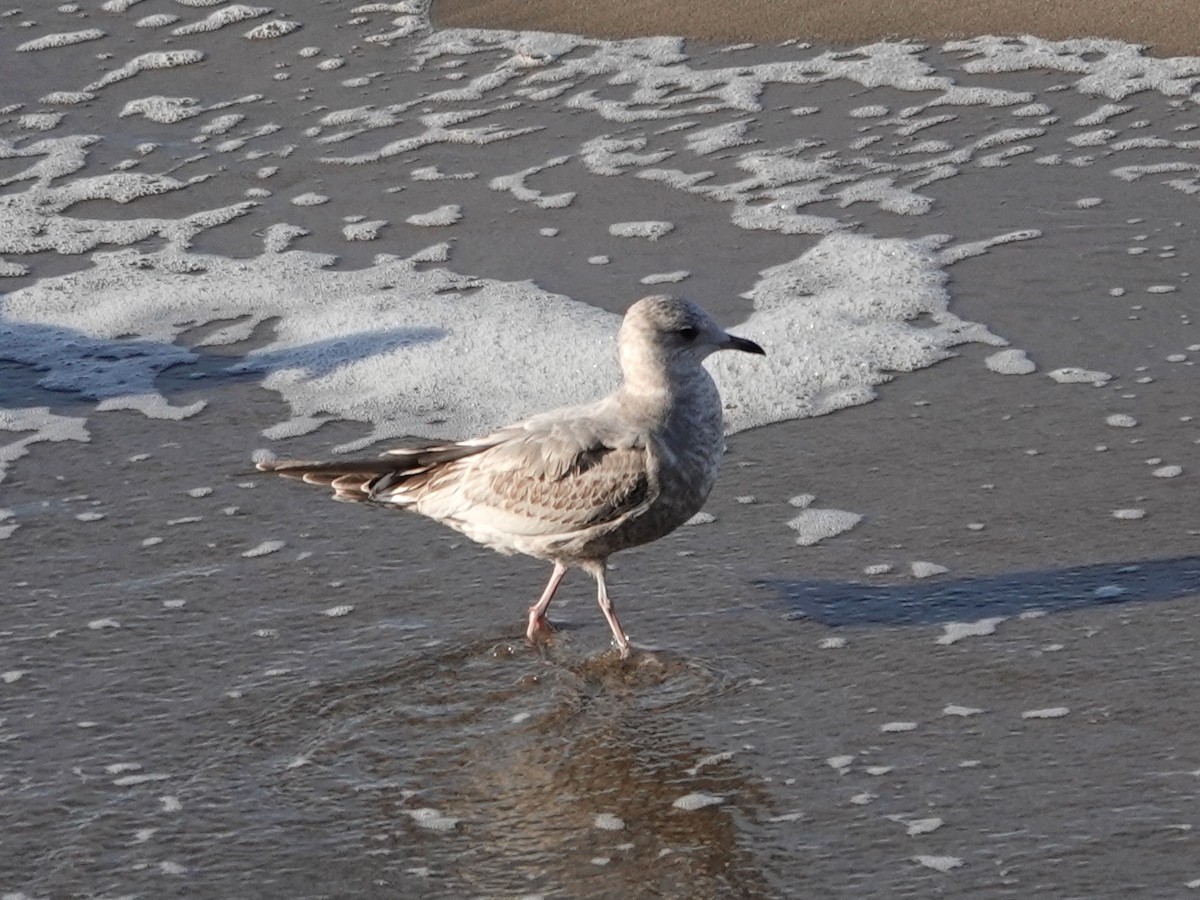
(673, 331)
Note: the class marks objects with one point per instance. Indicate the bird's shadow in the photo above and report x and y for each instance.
(939, 600)
(64, 368)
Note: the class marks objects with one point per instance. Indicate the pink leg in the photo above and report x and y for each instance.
(610, 614)
(537, 612)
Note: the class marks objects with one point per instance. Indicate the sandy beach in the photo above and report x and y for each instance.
(1168, 28)
(936, 635)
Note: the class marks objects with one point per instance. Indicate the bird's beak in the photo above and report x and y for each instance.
(744, 344)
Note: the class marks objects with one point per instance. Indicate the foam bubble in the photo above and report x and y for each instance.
(922, 569)
(363, 231)
(54, 41)
(43, 425)
(264, 548)
(697, 800)
(955, 710)
(228, 15)
(168, 59)
(1121, 420)
(841, 763)
(956, 631)
(914, 827)
(1010, 362)
(1076, 375)
(815, 525)
(650, 230)
(1052, 712)
(665, 277)
(938, 863)
(441, 217)
(515, 184)
(432, 819)
(608, 822)
(271, 29)
(158, 20)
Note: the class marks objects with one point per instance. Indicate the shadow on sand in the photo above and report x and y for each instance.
(58, 367)
(935, 601)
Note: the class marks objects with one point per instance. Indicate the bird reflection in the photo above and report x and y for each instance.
(556, 778)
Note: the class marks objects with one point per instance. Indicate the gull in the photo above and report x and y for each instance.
(575, 485)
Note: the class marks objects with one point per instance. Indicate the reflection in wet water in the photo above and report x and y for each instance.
(487, 770)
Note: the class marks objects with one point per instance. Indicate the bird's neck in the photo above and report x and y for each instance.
(662, 394)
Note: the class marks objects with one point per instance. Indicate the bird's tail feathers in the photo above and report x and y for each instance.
(368, 479)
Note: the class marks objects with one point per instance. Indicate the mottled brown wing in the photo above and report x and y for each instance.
(598, 486)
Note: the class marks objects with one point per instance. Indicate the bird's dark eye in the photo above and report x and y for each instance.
(688, 333)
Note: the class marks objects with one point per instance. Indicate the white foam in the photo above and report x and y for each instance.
(955, 710)
(168, 59)
(433, 173)
(54, 41)
(1052, 712)
(363, 231)
(441, 217)
(1077, 375)
(956, 631)
(665, 277)
(697, 800)
(43, 425)
(914, 827)
(151, 405)
(841, 763)
(815, 525)
(227, 15)
(1130, 514)
(158, 20)
(1121, 420)
(608, 822)
(271, 29)
(1010, 362)
(432, 819)
(264, 548)
(310, 198)
(897, 727)
(938, 863)
(650, 230)
(922, 569)
(718, 137)
(1171, 471)
(515, 185)
(1102, 114)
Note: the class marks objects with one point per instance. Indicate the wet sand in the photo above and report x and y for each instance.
(188, 710)
(1168, 28)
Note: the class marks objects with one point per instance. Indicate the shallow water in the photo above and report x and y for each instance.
(215, 684)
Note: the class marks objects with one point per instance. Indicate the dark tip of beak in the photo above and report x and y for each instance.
(745, 345)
